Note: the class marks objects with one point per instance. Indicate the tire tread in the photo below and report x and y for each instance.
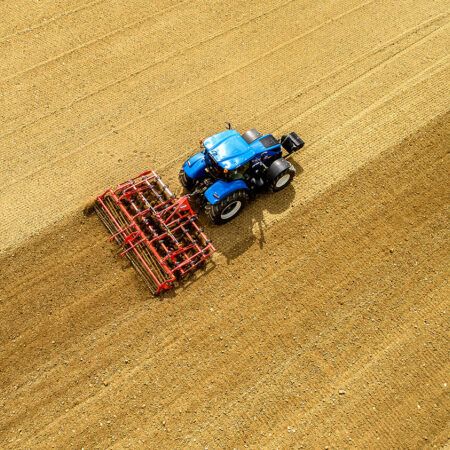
(213, 211)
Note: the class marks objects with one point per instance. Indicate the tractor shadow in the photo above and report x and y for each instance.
(236, 237)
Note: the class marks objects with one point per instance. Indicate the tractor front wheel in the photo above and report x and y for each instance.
(186, 181)
(227, 208)
(283, 179)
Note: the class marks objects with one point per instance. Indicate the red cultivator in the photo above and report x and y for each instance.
(157, 231)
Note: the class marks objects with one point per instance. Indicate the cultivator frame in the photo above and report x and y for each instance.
(157, 231)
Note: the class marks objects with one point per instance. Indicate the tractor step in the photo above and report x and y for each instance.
(157, 231)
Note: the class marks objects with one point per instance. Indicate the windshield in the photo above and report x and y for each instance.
(213, 166)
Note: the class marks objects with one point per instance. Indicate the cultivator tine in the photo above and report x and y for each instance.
(157, 231)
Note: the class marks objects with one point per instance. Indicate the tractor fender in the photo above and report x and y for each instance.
(221, 189)
(278, 166)
(195, 166)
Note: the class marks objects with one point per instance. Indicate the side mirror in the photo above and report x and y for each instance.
(228, 125)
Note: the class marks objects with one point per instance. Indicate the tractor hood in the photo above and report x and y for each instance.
(229, 149)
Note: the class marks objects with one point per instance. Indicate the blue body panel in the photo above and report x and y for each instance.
(195, 166)
(230, 150)
(221, 189)
(258, 148)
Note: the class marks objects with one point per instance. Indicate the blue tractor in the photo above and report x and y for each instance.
(232, 168)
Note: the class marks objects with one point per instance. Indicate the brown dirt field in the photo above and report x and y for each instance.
(323, 318)
(350, 293)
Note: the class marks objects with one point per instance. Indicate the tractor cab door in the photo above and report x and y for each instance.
(241, 173)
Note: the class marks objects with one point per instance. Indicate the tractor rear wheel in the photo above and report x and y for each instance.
(251, 136)
(186, 181)
(227, 208)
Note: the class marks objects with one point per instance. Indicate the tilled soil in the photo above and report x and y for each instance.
(322, 319)
(92, 96)
(328, 328)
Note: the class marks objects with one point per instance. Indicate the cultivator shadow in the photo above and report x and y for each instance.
(157, 231)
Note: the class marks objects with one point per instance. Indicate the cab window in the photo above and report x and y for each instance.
(239, 173)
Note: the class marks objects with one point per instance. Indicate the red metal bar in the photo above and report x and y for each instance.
(131, 247)
(124, 210)
(100, 199)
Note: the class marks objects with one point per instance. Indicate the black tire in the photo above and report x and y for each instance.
(283, 179)
(251, 136)
(187, 182)
(227, 208)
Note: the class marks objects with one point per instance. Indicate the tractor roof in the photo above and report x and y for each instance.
(230, 150)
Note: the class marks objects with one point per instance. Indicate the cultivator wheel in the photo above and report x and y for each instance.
(157, 231)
